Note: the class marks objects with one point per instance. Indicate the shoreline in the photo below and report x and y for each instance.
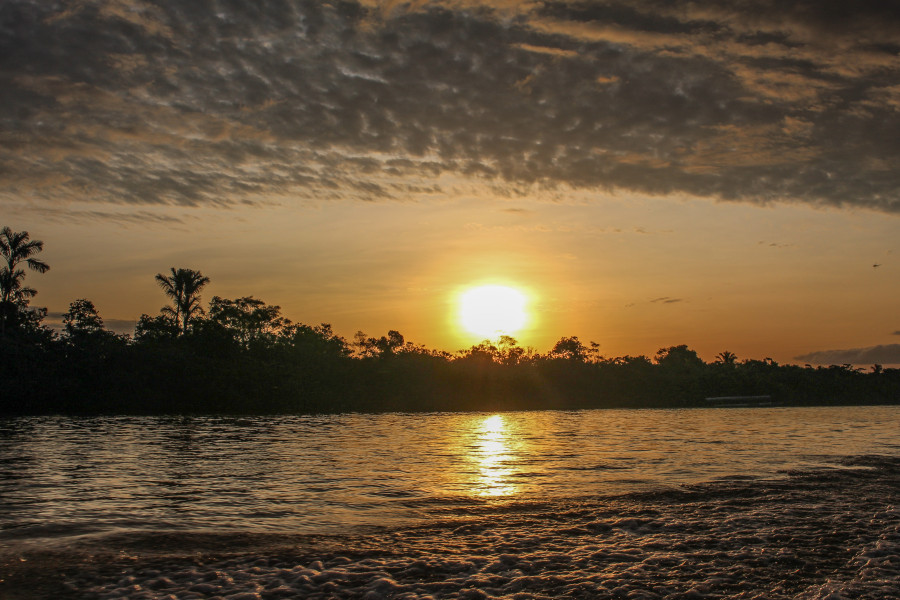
(427, 411)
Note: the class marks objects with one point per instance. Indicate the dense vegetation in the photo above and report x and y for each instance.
(242, 356)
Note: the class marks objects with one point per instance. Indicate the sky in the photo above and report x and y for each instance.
(718, 173)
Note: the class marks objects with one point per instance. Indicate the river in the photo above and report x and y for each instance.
(365, 498)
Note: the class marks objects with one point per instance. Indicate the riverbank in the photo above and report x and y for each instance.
(318, 373)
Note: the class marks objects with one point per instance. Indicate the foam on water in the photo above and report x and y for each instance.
(823, 534)
(718, 503)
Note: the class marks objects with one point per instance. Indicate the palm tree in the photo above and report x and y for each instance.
(16, 248)
(183, 287)
(726, 358)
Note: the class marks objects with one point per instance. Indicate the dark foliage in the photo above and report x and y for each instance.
(245, 358)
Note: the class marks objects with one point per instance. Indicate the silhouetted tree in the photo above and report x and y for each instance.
(365, 346)
(681, 375)
(154, 329)
(29, 322)
(484, 352)
(726, 358)
(16, 248)
(247, 319)
(509, 352)
(319, 341)
(83, 330)
(679, 358)
(570, 348)
(505, 352)
(390, 345)
(385, 346)
(183, 287)
(82, 319)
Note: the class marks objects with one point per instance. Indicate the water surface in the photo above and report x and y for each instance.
(64, 477)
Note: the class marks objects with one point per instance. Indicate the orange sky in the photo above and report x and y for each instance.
(649, 174)
(631, 275)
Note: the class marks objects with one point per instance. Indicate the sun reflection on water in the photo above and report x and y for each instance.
(494, 457)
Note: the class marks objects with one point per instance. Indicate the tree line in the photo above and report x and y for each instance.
(242, 355)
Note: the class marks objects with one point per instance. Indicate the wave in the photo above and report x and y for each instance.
(826, 533)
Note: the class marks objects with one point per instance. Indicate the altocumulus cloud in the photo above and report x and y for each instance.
(243, 101)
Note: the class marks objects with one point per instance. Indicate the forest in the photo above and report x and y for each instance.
(242, 356)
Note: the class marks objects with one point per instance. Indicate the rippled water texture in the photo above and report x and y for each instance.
(66, 477)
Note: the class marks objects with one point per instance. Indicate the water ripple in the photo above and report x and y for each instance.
(63, 476)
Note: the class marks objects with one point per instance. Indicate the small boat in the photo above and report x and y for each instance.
(737, 401)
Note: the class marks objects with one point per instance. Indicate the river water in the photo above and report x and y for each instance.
(329, 494)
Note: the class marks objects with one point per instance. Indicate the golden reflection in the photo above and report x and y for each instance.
(495, 459)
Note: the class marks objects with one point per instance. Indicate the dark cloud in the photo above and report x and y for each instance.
(80, 217)
(666, 300)
(54, 320)
(896, 333)
(199, 103)
(887, 354)
(644, 231)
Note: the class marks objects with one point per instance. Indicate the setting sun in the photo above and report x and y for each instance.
(493, 310)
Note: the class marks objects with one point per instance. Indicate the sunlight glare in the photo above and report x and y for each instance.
(495, 458)
(493, 310)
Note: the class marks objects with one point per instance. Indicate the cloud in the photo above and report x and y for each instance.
(124, 101)
(54, 320)
(142, 217)
(666, 300)
(886, 354)
(896, 332)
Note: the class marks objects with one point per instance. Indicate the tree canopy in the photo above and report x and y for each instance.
(183, 288)
(16, 248)
(242, 355)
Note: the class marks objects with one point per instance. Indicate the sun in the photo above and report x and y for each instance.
(493, 310)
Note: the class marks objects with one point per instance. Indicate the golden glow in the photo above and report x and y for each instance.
(494, 457)
(493, 310)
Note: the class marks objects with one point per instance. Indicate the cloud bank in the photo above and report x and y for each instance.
(222, 103)
(54, 320)
(886, 354)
